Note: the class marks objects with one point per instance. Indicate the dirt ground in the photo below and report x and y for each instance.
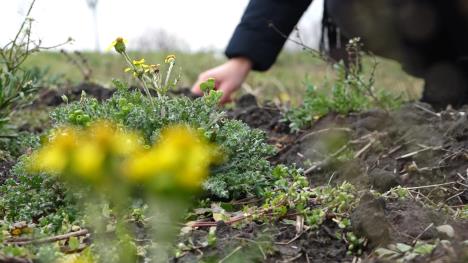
(413, 147)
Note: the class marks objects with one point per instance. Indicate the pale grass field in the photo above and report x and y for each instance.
(284, 81)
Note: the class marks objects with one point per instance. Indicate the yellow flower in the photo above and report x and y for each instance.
(170, 59)
(16, 232)
(126, 144)
(141, 167)
(153, 68)
(53, 157)
(139, 62)
(64, 138)
(139, 68)
(119, 45)
(88, 160)
(180, 153)
(76, 259)
(50, 159)
(114, 140)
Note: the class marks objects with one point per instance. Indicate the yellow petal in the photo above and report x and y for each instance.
(138, 62)
(51, 159)
(88, 160)
(111, 46)
(170, 59)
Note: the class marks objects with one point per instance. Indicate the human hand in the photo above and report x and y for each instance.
(228, 76)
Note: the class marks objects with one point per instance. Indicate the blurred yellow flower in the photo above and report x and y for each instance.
(181, 158)
(53, 156)
(16, 232)
(84, 152)
(180, 153)
(170, 59)
(154, 67)
(126, 143)
(119, 45)
(65, 138)
(50, 159)
(103, 133)
(76, 259)
(139, 62)
(88, 160)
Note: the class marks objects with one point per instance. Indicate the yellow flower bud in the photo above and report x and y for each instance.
(170, 59)
(118, 45)
(16, 232)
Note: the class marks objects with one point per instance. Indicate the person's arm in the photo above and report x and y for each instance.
(254, 45)
(255, 39)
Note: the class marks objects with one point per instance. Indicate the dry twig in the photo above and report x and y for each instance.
(23, 242)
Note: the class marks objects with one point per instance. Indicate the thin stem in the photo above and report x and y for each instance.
(168, 75)
(20, 242)
(145, 87)
(155, 83)
(13, 43)
(353, 73)
(127, 58)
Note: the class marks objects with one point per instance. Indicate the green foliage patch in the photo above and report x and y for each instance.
(245, 168)
(352, 91)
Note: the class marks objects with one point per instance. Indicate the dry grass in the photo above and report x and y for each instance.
(284, 81)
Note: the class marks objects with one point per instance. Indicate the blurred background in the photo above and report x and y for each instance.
(195, 25)
(196, 31)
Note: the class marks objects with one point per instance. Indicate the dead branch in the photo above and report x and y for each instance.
(23, 242)
(411, 154)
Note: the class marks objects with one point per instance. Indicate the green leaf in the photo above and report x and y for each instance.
(403, 247)
(74, 243)
(120, 85)
(424, 249)
(208, 85)
(384, 252)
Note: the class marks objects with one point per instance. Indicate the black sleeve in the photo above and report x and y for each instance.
(255, 39)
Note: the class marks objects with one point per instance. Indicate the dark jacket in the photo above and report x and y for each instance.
(428, 37)
(385, 27)
(255, 39)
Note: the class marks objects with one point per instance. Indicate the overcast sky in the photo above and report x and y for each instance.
(203, 24)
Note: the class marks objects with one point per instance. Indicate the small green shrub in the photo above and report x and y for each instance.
(352, 91)
(17, 84)
(15, 90)
(245, 170)
(36, 198)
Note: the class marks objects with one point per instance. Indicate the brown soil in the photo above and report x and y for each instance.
(5, 167)
(412, 147)
(53, 97)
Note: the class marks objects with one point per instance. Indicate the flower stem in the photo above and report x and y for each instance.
(145, 87)
(168, 75)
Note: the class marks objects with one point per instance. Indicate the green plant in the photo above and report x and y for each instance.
(355, 244)
(245, 169)
(401, 252)
(15, 89)
(351, 91)
(290, 192)
(36, 198)
(39, 198)
(18, 85)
